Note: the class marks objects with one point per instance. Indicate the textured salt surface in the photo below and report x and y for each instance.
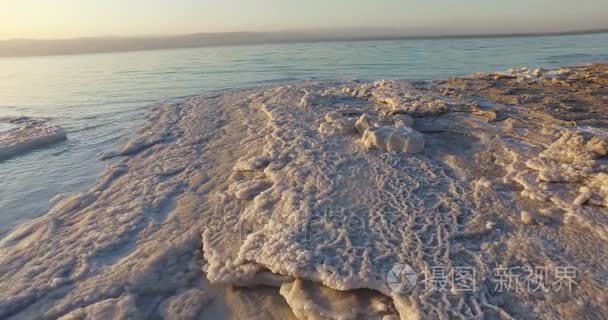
(21, 135)
(317, 191)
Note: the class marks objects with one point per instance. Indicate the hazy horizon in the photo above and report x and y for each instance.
(40, 27)
(85, 45)
(69, 19)
(345, 33)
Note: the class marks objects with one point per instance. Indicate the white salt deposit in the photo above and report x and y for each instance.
(362, 124)
(527, 75)
(284, 193)
(26, 134)
(402, 97)
(569, 159)
(393, 139)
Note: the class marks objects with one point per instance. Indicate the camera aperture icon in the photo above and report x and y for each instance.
(402, 278)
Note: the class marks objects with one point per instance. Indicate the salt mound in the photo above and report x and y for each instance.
(30, 134)
(377, 132)
(393, 139)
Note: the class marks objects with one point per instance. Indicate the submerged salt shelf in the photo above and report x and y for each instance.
(21, 135)
(310, 198)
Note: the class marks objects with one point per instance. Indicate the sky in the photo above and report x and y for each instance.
(59, 19)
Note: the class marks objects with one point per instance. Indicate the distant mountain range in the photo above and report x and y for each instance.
(32, 47)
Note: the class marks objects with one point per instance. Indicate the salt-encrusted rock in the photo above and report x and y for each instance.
(527, 217)
(526, 74)
(30, 134)
(403, 120)
(366, 121)
(393, 139)
(362, 123)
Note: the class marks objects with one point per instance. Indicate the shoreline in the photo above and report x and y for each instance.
(16, 48)
(258, 187)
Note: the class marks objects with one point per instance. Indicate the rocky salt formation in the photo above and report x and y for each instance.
(398, 137)
(393, 139)
(27, 134)
(295, 202)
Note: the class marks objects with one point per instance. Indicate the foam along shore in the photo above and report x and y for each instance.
(298, 201)
(25, 134)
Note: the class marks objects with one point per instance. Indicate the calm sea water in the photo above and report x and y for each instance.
(102, 98)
